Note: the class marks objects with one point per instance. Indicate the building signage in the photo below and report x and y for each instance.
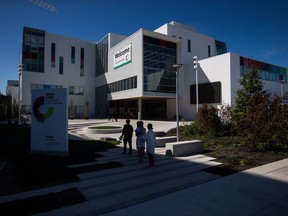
(49, 120)
(123, 56)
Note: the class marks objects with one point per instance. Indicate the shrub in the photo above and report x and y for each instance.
(207, 120)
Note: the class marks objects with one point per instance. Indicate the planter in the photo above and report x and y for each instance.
(102, 130)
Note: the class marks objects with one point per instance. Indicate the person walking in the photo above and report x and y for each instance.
(140, 141)
(127, 134)
(150, 144)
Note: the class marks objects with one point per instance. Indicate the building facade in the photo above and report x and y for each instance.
(132, 76)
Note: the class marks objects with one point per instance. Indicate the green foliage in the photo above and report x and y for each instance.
(260, 119)
(207, 120)
(71, 110)
(277, 138)
(87, 110)
(254, 122)
(189, 129)
(251, 87)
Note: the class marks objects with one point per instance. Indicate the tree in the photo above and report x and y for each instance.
(86, 111)
(15, 108)
(252, 86)
(71, 111)
(260, 119)
(207, 120)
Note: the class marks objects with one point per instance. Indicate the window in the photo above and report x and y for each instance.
(53, 47)
(73, 55)
(102, 56)
(76, 90)
(189, 46)
(158, 58)
(209, 51)
(82, 62)
(61, 65)
(122, 85)
(33, 49)
(207, 93)
(220, 47)
(266, 71)
(53, 55)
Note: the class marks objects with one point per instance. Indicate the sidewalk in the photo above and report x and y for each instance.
(259, 191)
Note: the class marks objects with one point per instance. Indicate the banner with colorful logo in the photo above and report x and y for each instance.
(123, 56)
(49, 120)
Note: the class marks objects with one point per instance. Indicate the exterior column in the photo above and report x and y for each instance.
(139, 108)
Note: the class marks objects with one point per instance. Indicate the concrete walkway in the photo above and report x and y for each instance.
(176, 186)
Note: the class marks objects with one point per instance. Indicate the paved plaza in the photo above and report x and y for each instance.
(175, 186)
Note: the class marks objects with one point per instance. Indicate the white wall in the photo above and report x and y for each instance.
(135, 68)
(199, 42)
(71, 75)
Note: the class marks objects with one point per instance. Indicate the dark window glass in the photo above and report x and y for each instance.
(189, 46)
(72, 55)
(220, 47)
(266, 71)
(33, 49)
(102, 56)
(207, 93)
(158, 58)
(53, 51)
(61, 64)
(82, 62)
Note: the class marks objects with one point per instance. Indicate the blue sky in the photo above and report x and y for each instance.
(253, 28)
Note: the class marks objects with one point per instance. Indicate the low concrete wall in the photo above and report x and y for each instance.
(101, 131)
(159, 133)
(161, 141)
(184, 148)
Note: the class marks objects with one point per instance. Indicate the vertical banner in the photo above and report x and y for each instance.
(49, 120)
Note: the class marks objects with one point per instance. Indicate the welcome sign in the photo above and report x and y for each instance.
(123, 56)
(49, 120)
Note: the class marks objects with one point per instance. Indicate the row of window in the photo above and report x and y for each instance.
(44, 86)
(122, 85)
(266, 71)
(266, 75)
(73, 90)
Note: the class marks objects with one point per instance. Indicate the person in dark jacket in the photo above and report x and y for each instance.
(127, 134)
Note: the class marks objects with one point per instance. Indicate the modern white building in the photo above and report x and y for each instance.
(132, 77)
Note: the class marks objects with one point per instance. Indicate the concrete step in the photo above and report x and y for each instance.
(110, 202)
(109, 190)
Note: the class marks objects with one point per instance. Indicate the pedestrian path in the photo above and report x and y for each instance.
(114, 189)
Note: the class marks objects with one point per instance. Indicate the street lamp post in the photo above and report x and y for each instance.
(177, 67)
(20, 69)
(196, 80)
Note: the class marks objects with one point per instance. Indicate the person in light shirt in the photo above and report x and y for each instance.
(150, 144)
(140, 141)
